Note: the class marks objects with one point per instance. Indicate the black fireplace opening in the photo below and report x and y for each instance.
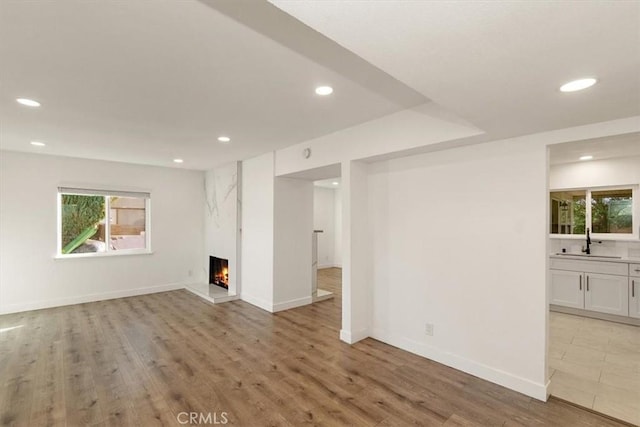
(219, 272)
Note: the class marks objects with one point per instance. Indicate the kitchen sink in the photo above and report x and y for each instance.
(589, 255)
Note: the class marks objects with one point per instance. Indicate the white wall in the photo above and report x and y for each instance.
(356, 243)
(337, 215)
(324, 218)
(595, 173)
(31, 278)
(257, 266)
(458, 241)
(424, 125)
(221, 213)
(293, 225)
(515, 239)
(327, 216)
(277, 222)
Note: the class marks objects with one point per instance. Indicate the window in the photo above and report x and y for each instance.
(602, 211)
(611, 211)
(568, 212)
(102, 222)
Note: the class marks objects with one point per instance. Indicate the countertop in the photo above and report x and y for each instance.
(625, 260)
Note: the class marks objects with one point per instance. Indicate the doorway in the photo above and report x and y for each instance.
(327, 224)
(594, 294)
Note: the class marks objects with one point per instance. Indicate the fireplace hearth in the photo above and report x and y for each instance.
(219, 272)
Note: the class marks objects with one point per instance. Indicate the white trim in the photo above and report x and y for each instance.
(352, 337)
(38, 305)
(84, 191)
(324, 266)
(286, 305)
(530, 388)
(628, 320)
(107, 229)
(610, 237)
(59, 225)
(547, 390)
(147, 225)
(120, 252)
(635, 214)
(260, 303)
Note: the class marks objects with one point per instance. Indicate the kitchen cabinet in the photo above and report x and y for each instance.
(606, 293)
(603, 287)
(634, 290)
(566, 289)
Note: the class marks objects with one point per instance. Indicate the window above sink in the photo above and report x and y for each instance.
(609, 213)
(568, 212)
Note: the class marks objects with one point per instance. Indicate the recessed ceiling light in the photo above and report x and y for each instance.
(178, 161)
(224, 139)
(578, 85)
(324, 90)
(586, 157)
(335, 183)
(38, 143)
(28, 102)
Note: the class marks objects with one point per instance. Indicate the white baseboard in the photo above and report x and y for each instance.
(547, 389)
(352, 337)
(323, 266)
(286, 305)
(258, 302)
(497, 376)
(595, 315)
(59, 302)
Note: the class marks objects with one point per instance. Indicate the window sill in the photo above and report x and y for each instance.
(568, 236)
(606, 237)
(104, 254)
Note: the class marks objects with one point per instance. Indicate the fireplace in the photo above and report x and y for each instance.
(219, 272)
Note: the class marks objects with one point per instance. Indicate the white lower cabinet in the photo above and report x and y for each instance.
(567, 288)
(596, 286)
(606, 294)
(634, 297)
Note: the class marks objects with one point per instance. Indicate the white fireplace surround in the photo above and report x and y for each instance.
(222, 207)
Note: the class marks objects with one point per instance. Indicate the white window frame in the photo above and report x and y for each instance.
(635, 218)
(107, 194)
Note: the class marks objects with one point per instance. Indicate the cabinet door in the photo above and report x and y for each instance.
(634, 297)
(607, 294)
(567, 288)
(634, 270)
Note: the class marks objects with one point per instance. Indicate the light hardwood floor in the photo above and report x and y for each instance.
(141, 361)
(596, 364)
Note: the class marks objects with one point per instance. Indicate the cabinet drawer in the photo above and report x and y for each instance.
(616, 268)
(634, 270)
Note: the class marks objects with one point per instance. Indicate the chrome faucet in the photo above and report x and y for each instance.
(588, 249)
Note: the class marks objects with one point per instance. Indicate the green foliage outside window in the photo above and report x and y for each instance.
(579, 214)
(611, 214)
(80, 218)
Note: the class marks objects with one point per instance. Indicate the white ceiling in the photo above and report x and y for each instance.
(147, 82)
(625, 145)
(497, 64)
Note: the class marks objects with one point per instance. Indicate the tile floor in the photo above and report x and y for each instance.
(596, 364)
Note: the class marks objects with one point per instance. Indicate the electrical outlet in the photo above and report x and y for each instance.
(428, 329)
